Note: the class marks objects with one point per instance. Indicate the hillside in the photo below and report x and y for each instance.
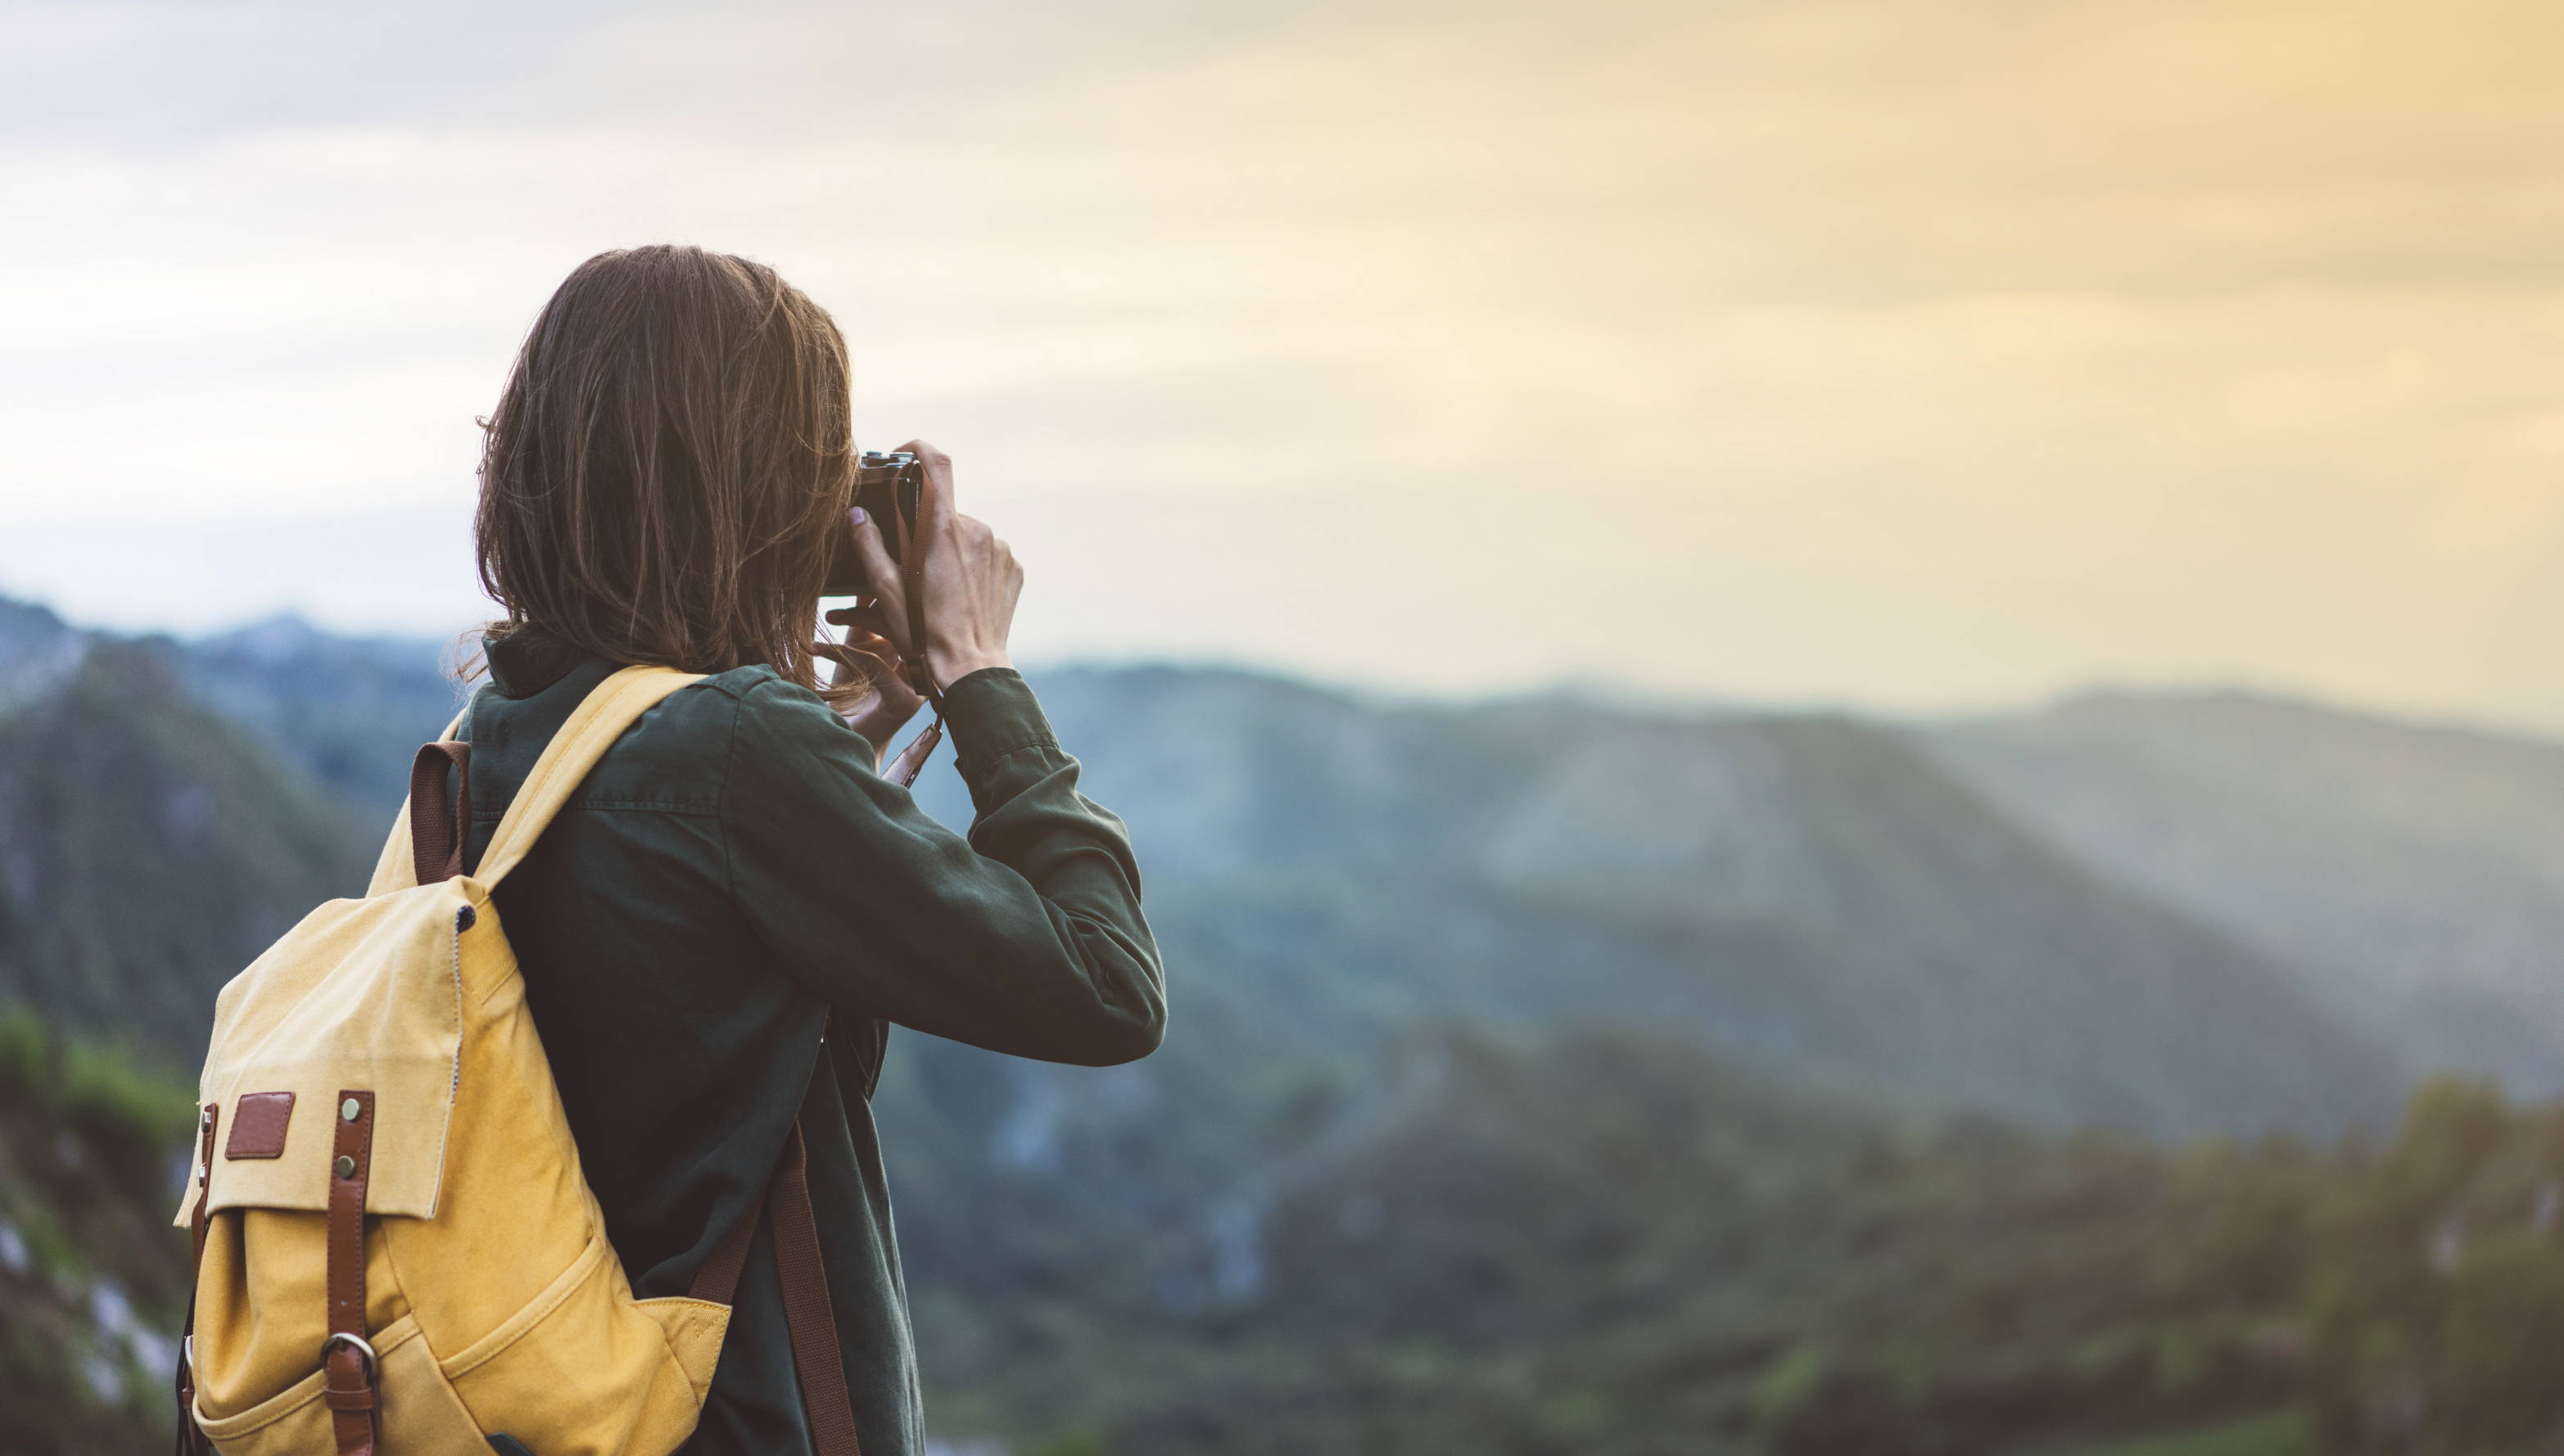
(1595, 1244)
(92, 1278)
(1803, 892)
(1606, 1244)
(37, 650)
(148, 847)
(351, 710)
(2414, 872)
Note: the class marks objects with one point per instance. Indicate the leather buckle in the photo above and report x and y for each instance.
(362, 1347)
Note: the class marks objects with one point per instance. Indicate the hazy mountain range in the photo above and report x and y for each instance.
(2412, 874)
(2163, 910)
(2165, 913)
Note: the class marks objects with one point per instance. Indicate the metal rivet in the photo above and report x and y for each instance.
(350, 1110)
(345, 1167)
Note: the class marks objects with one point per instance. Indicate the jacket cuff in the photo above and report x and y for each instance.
(993, 712)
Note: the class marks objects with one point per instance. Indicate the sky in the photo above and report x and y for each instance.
(1918, 357)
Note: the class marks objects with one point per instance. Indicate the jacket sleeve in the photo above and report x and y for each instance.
(1026, 939)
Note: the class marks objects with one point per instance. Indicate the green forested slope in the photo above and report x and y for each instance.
(351, 710)
(148, 849)
(92, 1275)
(1608, 1246)
(1596, 1244)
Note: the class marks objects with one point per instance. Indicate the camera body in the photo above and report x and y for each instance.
(888, 485)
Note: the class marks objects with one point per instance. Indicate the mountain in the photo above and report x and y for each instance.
(1809, 893)
(1609, 1244)
(1805, 891)
(1593, 1244)
(149, 847)
(2413, 873)
(93, 1281)
(37, 650)
(351, 710)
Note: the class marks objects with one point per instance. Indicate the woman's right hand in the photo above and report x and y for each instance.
(968, 576)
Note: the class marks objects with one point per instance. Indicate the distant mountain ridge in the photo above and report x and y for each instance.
(352, 709)
(149, 847)
(1808, 893)
(37, 650)
(1812, 893)
(1952, 913)
(2415, 871)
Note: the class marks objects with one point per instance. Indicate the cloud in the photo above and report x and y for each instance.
(1921, 355)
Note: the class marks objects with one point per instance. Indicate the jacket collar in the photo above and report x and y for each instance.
(528, 660)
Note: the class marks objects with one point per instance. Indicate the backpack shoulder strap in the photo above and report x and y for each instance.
(396, 867)
(613, 706)
(809, 1317)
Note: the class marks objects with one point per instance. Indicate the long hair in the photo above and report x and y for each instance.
(667, 460)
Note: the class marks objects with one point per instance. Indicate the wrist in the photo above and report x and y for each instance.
(953, 668)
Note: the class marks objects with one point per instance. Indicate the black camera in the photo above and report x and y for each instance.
(889, 483)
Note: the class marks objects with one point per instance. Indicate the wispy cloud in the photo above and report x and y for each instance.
(1911, 354)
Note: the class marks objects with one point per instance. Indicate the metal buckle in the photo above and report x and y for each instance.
(362, 1347)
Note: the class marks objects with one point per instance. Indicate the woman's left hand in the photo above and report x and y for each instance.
(885, 702)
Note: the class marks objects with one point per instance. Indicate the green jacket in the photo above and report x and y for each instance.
(733, 875)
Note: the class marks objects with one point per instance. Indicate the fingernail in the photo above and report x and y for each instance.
(856, 515)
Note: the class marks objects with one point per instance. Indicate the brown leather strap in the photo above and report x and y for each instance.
(911, 761)
(912, 570)
(816, 1356)
(818, 1362)
(191, 1438)
(717, 1280)
(912, 565)
(436, 826)
(348, 1388)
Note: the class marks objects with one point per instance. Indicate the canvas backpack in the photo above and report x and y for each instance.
(396, 1250)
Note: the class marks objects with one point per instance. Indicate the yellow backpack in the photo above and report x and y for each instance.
(397, 1249)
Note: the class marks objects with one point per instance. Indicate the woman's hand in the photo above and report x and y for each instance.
(867, 690)
(970, 579)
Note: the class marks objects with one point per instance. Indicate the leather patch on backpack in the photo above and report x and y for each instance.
(258, 1124)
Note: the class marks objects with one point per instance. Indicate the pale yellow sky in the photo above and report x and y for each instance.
(1909, 355)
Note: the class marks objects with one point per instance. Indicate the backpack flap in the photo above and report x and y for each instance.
(363, 995)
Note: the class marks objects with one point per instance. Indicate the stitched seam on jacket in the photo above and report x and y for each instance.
(756, 676)
(1044, 742)
(612, 801)
(992, 760)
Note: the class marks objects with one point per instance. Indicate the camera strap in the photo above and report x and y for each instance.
(911, 761)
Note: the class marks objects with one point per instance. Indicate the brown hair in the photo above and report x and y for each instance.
(669, 455)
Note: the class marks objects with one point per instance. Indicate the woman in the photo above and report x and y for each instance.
(720, 928)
